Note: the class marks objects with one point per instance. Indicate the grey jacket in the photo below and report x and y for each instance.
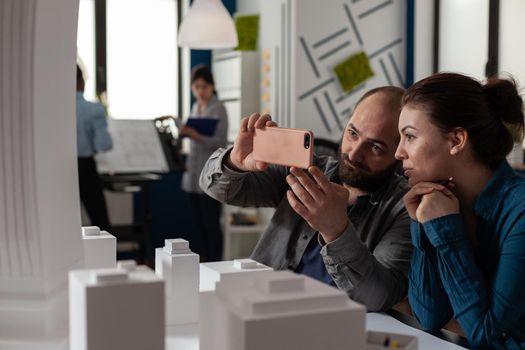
(201, 151)
(369, 261)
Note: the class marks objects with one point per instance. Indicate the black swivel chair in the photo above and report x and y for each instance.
(324, 147)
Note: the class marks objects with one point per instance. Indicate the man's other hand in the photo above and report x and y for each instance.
(323, 204)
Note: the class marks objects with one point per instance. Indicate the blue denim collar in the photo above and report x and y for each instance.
(494, 190)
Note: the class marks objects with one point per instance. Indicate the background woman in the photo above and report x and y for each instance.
(469, 234)
(206, 210)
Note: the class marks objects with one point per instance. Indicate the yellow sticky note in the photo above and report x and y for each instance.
(247, 32)
(353, 71)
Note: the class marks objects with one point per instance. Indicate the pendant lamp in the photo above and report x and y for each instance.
(207, 25)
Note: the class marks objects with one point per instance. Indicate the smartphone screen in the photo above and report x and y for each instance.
(284, 146)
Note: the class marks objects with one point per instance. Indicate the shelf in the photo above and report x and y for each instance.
(246, 228)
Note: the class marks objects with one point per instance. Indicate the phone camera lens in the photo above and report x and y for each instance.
(306, 141)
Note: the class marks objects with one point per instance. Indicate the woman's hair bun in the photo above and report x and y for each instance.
(505, 102)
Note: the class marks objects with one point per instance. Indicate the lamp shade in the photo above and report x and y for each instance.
(208, 25)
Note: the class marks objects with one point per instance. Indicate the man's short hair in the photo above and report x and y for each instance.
(393, 93)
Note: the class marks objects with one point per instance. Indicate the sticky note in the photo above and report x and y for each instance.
(353, 71)
(247, 32)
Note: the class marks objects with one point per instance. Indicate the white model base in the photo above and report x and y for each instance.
(281, 311)
(26, 322)
(179, 268)
(183, 337)
(213, 314)
(100, 248)
(59, 344)
(211, 273)
(116, 309)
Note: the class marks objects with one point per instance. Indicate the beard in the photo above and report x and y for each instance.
(358, 175)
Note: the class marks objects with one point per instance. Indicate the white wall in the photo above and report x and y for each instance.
(512, 50)
(463, 36)
(248, 6)
(423, 39)
(302, 42)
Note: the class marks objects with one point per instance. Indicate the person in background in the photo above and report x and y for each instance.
(92, 137)
(206, 211)
(467, 207)
(342, 221)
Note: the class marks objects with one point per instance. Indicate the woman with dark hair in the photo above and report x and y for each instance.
(467, 207)
(206, 211)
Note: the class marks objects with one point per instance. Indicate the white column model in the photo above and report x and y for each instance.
(39, 201)
(120, 308)
(100, 248)
(180, 269)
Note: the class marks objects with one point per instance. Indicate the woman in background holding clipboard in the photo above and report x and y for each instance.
(206, 136)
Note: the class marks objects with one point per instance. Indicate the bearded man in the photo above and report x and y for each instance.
(342, 221)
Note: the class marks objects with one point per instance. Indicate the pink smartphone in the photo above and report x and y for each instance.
(283, 146)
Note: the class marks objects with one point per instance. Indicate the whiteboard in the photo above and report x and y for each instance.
(136, 148)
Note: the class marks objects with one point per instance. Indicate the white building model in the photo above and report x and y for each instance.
(211, 273)
(116, 309)
(179, 268)
(282, 310)
(100, 248)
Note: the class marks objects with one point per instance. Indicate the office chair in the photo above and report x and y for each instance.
(324, 147)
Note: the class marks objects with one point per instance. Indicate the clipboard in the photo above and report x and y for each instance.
(205, 126)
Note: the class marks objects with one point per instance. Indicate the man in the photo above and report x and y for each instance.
(92, 137)
(341, 221)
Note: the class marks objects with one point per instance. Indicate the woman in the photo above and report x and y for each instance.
(467, 207)
(206, 210)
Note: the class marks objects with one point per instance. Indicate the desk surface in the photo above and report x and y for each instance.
(385, 323)
(186, 337)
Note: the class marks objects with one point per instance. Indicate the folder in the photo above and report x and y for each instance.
(205, 126)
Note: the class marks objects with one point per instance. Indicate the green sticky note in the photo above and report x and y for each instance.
(247, 32)
(353, 71)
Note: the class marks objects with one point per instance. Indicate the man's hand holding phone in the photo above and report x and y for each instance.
(241, 156)
(320, 202)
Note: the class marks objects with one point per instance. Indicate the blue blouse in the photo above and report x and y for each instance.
(483, 287)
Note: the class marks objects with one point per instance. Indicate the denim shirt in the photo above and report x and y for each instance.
(369, 261)
(482, 287)
(92, 128)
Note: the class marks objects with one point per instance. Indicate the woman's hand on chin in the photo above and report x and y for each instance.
(437, 204)
(429, 200)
